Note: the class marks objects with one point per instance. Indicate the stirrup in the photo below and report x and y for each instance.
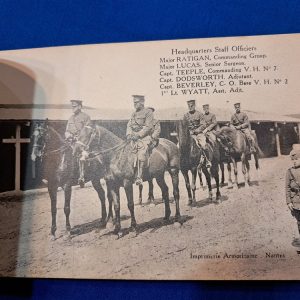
(139, 181)
(81, 182)
(208, 164)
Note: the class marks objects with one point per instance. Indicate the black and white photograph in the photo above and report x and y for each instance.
(155, 160)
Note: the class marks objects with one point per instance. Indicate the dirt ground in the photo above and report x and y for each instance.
(247, 236)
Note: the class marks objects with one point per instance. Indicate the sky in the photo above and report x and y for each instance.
(107, 75)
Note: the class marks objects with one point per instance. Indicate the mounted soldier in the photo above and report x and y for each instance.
(76, 123)
(196, 123)
(139, 130)
(240, 121)
(211, 125)
(155, 133)
(292, 187)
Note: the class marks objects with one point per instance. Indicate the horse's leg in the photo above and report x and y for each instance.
(215, 173)
(140, 194)
(244, 169)
(165, 195)
(187, 184)
(130, 203)
(101, 194)
(113, 191)
(221, 164)
(194, 178)
(175, 181)
(67, 209)
(229, 174)
(248, 172)
(52, 189)
(200, 177)
(109, 220)
(208, 180)
(150, 194)
(235, 185)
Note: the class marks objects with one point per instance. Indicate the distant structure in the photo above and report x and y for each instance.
(276, 134)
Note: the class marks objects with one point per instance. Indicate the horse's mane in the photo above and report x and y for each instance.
(107, 138)
(227, 131)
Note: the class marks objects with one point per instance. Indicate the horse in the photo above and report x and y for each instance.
(119, 163)
(60, 169)
(237, 148)
(193, 158)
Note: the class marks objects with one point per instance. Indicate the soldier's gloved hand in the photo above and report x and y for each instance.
(238, 127)
(68, 135)
(134, 137)
(291, 206)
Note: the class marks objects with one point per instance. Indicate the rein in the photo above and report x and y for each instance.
(115, 148)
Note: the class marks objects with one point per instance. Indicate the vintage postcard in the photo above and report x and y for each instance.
(154, 160)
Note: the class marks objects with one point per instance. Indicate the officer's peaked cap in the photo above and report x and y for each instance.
(237, 104)
(191, 101)
(75, 102)
(295, 154)
(138, 98)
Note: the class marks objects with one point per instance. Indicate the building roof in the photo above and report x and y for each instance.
(63, 112)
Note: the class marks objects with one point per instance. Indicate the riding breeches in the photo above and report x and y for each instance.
(248, 134)
(141, 148)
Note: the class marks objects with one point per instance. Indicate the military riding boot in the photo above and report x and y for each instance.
(252, 146)
(140, 173)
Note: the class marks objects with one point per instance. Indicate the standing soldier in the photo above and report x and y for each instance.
(211, 124)
(240, 121)
(292, 187)
(139, 130)
(77, 121)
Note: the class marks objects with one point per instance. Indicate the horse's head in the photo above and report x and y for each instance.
(183, 133)
(39, 137)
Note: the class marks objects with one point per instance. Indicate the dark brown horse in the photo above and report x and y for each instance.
(238, 148)
(60, 169)
(190, 157)
(119, 164)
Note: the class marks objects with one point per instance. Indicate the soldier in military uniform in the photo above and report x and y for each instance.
(197, 124)
(292, 187)
(211, 124)
(155, 133)
(139, 129)
(77, 121)
(240, 121)
(75, 124)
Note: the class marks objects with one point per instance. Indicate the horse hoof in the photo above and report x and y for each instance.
(109, 226)
(177, 225)
(119, 235)
(235, 187)
(52, 238)
(152, 205)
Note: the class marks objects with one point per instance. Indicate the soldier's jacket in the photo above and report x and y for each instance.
(292, 187)
(140, 123)
(77, 122)
(195, 121)
(210, 122)
(240, 119)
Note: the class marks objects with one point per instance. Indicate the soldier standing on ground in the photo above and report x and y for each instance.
(292, 187)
